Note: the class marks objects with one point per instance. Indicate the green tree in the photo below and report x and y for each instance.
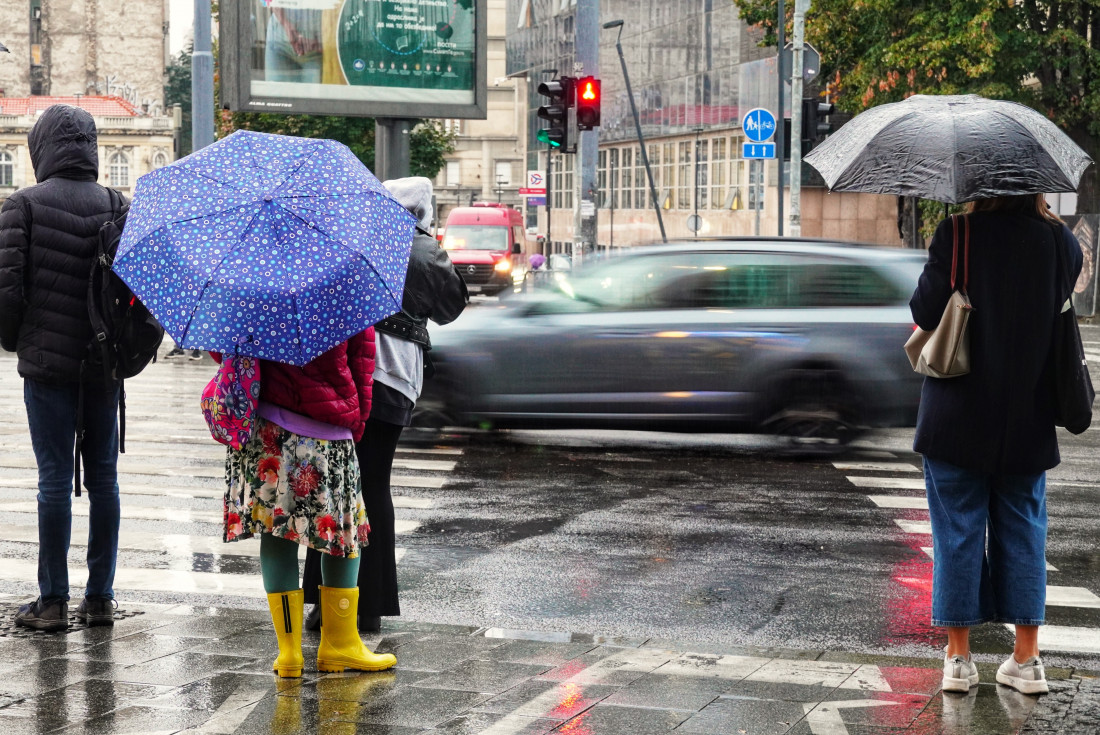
(1043, 53)
(428, 144)
(177, 91)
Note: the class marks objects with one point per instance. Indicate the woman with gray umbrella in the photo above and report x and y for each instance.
(988, 437)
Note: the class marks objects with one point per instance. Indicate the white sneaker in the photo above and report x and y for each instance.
(1026, 678)
(959, 674)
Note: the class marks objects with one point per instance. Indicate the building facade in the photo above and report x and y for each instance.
(488, 161)
(86, 47)
(131, 143)
(695, 67)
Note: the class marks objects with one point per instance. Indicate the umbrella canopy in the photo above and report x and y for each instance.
(950, 148)
(284, 247)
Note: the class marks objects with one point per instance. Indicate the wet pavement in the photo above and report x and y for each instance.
(189, 669)
(720, 585)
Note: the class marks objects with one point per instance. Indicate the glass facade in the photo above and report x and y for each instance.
(688, 61)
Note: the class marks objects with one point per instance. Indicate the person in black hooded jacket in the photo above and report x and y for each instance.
(48, 239)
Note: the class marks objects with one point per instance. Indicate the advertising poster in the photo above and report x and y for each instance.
(1086, 228)
(382, 52)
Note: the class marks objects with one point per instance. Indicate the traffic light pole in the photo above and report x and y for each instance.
(587, 54)
(797, 44)
(780, 30)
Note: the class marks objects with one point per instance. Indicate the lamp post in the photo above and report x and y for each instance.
(638, 126)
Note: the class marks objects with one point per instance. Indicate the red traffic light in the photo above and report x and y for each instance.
(588, 103)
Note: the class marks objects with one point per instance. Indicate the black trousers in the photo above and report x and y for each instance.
(377, 563)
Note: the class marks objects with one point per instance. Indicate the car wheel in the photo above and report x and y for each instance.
(816, 411)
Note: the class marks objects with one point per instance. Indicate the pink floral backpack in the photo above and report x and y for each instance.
(230, 399)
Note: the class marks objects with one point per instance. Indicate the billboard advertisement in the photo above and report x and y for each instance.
(376, 58)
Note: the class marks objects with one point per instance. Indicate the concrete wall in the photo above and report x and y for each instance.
(89, 47)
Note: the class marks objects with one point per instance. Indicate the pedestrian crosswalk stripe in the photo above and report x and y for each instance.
(412, 481)
(931, 554)
(914, 526)
(126, 467)
(174, 545)
(899, 501)
(150, 580)
(876, 467)
(1068, 639)
(442, 451)
(1072, 597)
(888, 483)
(423, 464)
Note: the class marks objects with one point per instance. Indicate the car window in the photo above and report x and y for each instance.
(845, 284)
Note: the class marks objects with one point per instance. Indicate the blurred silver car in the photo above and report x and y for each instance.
(802, 338)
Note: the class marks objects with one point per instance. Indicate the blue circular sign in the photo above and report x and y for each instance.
(758, 124)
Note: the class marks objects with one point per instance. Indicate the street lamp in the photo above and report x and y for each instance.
(638, 125)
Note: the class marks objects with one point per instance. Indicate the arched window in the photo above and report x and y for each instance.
(118, 169)
(160, 159)
(7, 169)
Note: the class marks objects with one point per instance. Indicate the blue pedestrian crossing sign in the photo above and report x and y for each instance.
(758, 124)
(758, 150)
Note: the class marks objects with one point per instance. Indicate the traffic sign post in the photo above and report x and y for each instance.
(758, 124)
(758, 150)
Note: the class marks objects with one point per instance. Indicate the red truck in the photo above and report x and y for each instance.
(487, 244)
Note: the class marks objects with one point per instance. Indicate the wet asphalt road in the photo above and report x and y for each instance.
(696, 538)
(709, 539)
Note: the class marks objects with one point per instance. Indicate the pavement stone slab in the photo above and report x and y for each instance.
(490, 677)
(486, 723)
(74, 704)
(546, 699)
(537, 652)
(665, 691)
(410, 707)
(635, 720)
(176, 669)
(138, 721)
(726, 716)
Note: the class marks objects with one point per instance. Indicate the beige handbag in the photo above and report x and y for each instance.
(945, 351)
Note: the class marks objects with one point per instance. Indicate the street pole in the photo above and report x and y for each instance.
(638, 126)
(549, 74)
(611, 200)
(757, 187)
(587, 55)
(391, 148)
(698, 131)
(202, 80)
(780, 31)
(797, 37)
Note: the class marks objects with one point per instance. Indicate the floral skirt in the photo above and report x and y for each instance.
(297, 488)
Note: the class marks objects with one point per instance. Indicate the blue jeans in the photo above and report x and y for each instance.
(51, 413)
(989, 535)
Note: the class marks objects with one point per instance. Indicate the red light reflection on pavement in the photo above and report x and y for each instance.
(579, 726)
(572, 701)
(908, 607)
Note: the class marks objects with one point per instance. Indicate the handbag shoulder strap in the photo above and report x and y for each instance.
(955, 251)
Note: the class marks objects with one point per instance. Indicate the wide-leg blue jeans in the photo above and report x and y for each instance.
(52, 415)
(989, 541)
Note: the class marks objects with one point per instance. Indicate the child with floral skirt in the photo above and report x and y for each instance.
(296, 482)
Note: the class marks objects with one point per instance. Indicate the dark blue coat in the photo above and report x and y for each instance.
(1000, 418)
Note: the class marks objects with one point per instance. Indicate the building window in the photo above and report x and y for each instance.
(601, 179)
(613, 176)
(118, 170)
(454, 173)
(684, 178)
(718, 179)
(556, 167)
(668, 176)
(160, 159)
(641, 198)
(7, 169)
(568, 182)
(627, 177)
(503, 173)
(701, 188)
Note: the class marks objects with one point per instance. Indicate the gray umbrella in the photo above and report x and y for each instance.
(950, 148)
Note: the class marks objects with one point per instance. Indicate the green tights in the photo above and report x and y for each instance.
(279, 566)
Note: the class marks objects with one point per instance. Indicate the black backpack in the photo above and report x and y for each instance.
(126, 335)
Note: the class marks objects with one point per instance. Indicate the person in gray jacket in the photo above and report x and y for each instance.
(433, 290)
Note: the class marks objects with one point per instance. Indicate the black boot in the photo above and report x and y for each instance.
(313, 620)
(370, 623)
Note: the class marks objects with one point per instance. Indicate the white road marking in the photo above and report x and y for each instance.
(899, 501)
(433, 465)
(1067, 638)
(1071, 597)
(914, 526)
(137, 512)
(888, 483)
(876, 467)
(434, 483)
(824, 718)
(932, 555)
(152, 580)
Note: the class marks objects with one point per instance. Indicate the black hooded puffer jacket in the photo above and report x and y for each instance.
(48, 236)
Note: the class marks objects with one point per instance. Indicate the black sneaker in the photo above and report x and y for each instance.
(52, 615)
(173, 352)
(195, 355)
(97, 611)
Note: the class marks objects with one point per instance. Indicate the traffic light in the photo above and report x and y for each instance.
(559, 93)
(814, 125)
(588, 103)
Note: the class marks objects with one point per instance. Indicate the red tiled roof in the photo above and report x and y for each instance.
(101, 106)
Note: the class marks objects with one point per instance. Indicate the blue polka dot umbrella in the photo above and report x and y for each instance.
(280, 247)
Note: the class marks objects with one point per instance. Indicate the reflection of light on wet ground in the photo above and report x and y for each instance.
(908, 605)
(571, 695)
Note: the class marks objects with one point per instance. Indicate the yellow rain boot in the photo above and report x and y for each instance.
(341, 647)
(286, 615)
